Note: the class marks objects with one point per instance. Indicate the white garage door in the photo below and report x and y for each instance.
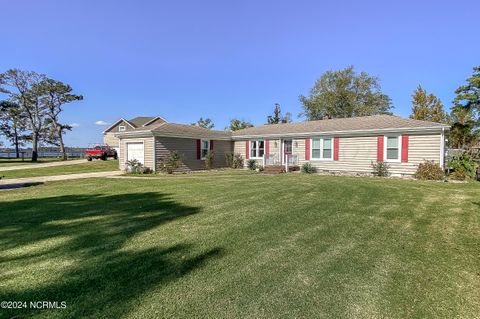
(135, 151)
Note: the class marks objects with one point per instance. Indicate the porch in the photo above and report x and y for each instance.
(272, 163)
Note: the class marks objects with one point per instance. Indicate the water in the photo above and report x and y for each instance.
(28, 154)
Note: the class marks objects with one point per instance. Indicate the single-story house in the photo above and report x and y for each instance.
(343, 145)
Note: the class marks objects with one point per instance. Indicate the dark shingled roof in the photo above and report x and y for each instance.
(374, 122)
(141, 120)
(180, 130)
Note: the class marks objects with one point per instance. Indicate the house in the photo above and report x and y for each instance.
(156, 138)
(123, 125)
(348, 144)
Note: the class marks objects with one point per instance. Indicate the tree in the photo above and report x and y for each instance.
(205, 123)
(277, 118)
(18, 85)
(237, 124)
(465, 115)
(427, 107)
(468, 96)
(345, 93)
(461, 134)
(54, 95)
(287, 118)
(12, 124)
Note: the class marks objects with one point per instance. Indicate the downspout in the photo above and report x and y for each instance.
(442, 149)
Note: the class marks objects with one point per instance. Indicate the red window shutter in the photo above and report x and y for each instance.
(198, 148)
(404, 148)
(380, 148)
(267, 148)
(307, 149)
(211, 145)
(247, 149)
(336, 144)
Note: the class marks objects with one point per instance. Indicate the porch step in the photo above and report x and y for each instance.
(274, 169)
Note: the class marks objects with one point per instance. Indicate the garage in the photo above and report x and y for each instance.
(136, 151)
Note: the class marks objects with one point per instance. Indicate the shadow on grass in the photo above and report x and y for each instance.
(87, 233)
(20, 185)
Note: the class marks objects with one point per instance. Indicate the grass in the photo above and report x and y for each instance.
(236, 245)
(87, 167)
(18, 161)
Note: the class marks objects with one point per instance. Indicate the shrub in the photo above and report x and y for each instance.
(463, 167)
(229, 159)
(234, 160)
(209, 160)
(308, 168)
(135, 167)
(237, 161)
(170, 163)
(429, 170)
(252, 164)
(380, 169)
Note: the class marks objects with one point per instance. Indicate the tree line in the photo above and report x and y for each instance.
(345, 93)
(31, 110)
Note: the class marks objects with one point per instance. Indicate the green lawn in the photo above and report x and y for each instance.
(18, 161)
(236, 245)
(87, 167)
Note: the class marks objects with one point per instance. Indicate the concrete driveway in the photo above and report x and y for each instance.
(52, 164)
(19, 182)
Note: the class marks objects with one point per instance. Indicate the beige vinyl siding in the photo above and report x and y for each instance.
(110, 139)
(274, 150)
(239, 148)
(109, 136)
(148, 151)
(220, 148)
(188, 149)
(421, 148)
(115, 129)
(357, 153)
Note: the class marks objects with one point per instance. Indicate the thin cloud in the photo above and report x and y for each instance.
(74, 125)
(100, 122)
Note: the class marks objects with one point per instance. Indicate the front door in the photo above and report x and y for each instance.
(287, 149)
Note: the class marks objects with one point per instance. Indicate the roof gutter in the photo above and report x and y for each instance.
(345, 132)
(148, 133)
(127, 134)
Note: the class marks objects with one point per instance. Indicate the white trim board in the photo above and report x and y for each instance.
(118, 121)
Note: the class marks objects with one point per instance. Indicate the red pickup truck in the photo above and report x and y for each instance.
(98, 151)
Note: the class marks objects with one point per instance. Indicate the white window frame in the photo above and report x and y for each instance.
(385, 142)
(122, 128)
(321, 158)
(257, 149)
(202, 148)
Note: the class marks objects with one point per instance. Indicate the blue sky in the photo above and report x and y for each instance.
(225, 59)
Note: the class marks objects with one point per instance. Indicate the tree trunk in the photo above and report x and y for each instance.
(34, 147)
(60, 142)
(17, 151)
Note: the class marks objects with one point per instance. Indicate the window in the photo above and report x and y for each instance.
(257, 149)
(121, 128)
(327, 148)
(392, 148)
(322, 148)
(204, 148)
